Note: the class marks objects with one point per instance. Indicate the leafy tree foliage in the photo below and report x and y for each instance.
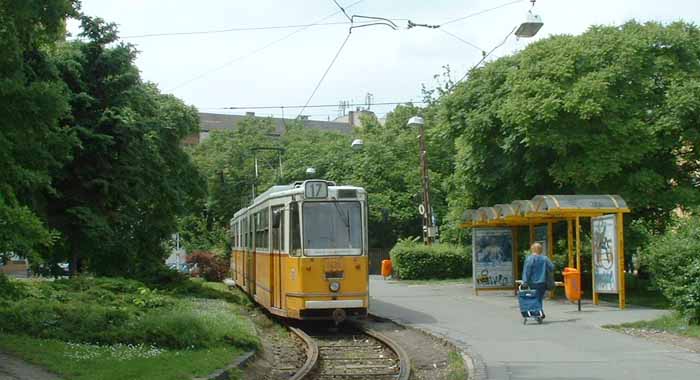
(674, 262)
(614, 110)
(117, 200)
(387, 167)
(32, 100)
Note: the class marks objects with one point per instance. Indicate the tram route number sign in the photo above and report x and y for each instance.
(315, 190)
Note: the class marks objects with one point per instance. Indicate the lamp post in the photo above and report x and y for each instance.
(428, 229)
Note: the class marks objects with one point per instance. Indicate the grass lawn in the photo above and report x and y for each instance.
(674, 324)
(108, 328)
(455, 365)
(78, 361)
(441, 281)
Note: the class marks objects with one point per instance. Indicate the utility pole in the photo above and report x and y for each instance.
(428, 229)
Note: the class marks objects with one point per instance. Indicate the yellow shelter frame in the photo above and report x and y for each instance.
(551, 209)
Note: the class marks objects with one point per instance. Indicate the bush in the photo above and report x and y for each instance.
(674, 262)
(416, 261)
(9, 290)
(113, 310)
(209, 265)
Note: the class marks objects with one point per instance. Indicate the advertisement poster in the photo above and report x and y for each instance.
(605, 262)
(493, 258)
(541, 237)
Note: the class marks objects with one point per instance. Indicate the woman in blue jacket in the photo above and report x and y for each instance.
(536, 271)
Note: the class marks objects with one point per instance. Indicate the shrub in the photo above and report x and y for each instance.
(9, 290)
(112, 310)
(210, 266)
(674, 262)
(412, 261)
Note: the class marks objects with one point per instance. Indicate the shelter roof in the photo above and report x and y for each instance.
(544, 208)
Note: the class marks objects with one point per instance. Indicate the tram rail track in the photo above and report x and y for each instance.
(352, 351)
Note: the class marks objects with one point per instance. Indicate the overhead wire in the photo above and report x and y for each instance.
(229, 30)
(483, 58)
(312, 105)
(324, 74)
(462, 40)
(242, 57)
(376, 22)
(480, 12)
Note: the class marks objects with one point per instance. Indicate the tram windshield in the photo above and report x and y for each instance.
(332, 228)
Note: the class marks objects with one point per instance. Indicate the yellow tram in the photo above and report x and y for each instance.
(300, 250)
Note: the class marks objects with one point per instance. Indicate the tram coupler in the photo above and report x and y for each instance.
(339, 316)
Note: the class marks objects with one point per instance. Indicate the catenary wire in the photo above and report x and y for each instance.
(480, 12)
(242, 57)
(228, 30)
(460, 39)
(312, 105)
(484, 58)
(325, 73)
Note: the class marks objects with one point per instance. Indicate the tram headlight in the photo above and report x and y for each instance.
(334, 286)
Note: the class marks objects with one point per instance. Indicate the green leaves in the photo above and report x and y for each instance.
(415, 261)
(674, 262)
(610, 111)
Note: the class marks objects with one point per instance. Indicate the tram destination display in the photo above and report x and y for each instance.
(493, 258)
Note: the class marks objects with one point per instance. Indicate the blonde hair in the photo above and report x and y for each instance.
(536, 248)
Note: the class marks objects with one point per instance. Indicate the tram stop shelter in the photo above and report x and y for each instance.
(495, 238)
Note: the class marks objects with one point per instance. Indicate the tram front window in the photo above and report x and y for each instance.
(332, 228)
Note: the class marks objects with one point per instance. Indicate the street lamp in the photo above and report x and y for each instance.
(426, 211)
(532, 24)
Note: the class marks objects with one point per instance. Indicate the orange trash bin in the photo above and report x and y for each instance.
(572, 284)
(386, 268)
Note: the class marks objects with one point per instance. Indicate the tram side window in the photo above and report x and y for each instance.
(262, 230)
(277, 228)
(244, 229)
(295, 230)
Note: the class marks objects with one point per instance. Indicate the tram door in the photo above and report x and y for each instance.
(277, 250)
(244, 252)
(251, 255)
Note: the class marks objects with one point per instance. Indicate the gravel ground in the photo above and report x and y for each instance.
(692, 344)
(281, 355)
(12, 368)
(429, 356)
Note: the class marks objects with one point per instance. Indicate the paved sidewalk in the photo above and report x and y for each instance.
(12, 368)
(569, 345)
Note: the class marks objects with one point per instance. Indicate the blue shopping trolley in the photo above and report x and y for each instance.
(530, 306)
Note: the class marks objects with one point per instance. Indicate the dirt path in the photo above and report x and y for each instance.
(12, 368)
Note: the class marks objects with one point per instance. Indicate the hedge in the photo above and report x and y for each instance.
(416, 261)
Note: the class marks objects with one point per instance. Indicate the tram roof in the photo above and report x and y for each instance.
(542, 209)
(290, 189)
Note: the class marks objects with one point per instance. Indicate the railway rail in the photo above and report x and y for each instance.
(351, 351)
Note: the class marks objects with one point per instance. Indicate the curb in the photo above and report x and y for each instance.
(239, 362)
(475, 366)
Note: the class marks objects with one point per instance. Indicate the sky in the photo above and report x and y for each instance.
(281, 67)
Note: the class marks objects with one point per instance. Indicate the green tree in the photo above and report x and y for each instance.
(614, 110)
(117, 200)
(675, 265)
(32, 100)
